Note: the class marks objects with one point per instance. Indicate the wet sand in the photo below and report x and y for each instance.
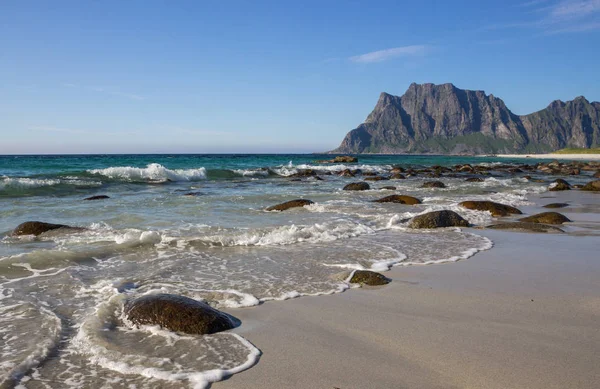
(525, 314)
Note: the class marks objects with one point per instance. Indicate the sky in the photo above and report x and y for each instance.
(268, 76)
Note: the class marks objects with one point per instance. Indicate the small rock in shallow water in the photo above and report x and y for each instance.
(399, 199)
(99, 197)
(433, 184)
(357, 186)
(37, 228)
(366, 277)
(559, 185)
(290, 204)
(496, 209)
(593, 186)
(546, 218)
(177, 313)
(438, 219)
(556, 205)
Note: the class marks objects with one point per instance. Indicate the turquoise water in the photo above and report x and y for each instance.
(196, 225)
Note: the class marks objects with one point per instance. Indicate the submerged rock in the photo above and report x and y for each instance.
(290, 204)
(496, 209)
(37, 228)
(99, 197)
(474, 179)
(438, 219)
(177, 313)
(433, 184)
(593, 186)
(366, 277)
(357, 186)
(546, 218)
(526, 227)
(376, 178)
(388, 188)
(556, 205)
(399, 199)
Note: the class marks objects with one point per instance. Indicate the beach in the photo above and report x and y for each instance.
(575, 157)
(522, 315)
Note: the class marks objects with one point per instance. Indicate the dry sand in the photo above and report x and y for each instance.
(525, 314)
(584, 157)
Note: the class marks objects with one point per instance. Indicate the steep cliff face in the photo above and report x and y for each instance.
(443, 119)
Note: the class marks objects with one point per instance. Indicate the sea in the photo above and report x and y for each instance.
(196, 226)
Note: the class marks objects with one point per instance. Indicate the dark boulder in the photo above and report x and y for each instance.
(37, 228)
(388, 188)
(546, 218)
(398, 176)
(346, 173)
(376, 178)
(559, 185)
(99, 197)
(399, 199)
(366, 277)
(496, 209)
(556, 205)
(433, 184)
(475, 179)
(357, 186)
(438, 219)
(345, 159)
(290, 204)
(177, 313)
(593, 186)
(525, 227)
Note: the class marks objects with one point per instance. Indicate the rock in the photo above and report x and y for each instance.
(593, 186)
(376, 178)
(556, 205)
(496, 209)
(527, 227)
(357, 186)
(438, 219)
(433, 184)
(388, 188)
(559, 185)
(475, 179)
(37, 228)
(99, 197)
(366, 277)
(177, 313)
(369, 174)
(194, 194)
(597, 175)
(304, 173)
(399, 199)
(345, 159)
(346, 173)
(398, 176)
(290, 204)
(546, 218)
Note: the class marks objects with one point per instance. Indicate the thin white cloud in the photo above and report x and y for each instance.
(107, 90)
(395, 52)
(532, 3)
(574, 9)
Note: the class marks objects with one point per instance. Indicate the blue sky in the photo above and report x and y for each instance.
(268, 76)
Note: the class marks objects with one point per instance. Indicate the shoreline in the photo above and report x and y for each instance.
(584, 157)
(489, 321)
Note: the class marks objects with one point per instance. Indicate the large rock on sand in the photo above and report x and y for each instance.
(559, 185)
(438, 219)
(37, 228)
(525, 227)
(496, 209)
(546, 218)
(366, 277)
(290, 204)
(357, 186)
(399, 199)
(593, 186)
(177, 313)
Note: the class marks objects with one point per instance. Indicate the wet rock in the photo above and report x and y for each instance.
(37, 228)
(388, 188)
(593, 186)
(340, 159)
(304, 173)
(556, 205)
(438, 219)
(376, 178)
(433, 184)
(369, 174)
(366, 277)
(546, 218)
(474, 179)
(193, 194)
(399, 199)
(559, 185)
(397, 170)
(496, 209)
(525, 227)
(177, 313)
(398, 176)
(357, 186)
(290, 204)
(346, 173)
(597, 175)
(98, 197)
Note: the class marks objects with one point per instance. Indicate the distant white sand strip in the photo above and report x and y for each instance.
(586, 157)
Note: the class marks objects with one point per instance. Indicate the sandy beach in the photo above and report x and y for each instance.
(582, 157)
(524, 314)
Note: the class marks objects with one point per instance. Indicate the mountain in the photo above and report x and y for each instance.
(443, 119)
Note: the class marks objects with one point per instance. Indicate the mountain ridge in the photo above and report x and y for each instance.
(444, 119)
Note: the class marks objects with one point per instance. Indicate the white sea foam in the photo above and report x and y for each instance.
(252, 172)
(154, 172)
(24, 183)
